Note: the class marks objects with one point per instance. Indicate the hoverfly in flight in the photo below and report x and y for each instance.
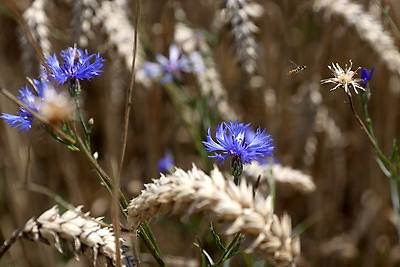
(297, 69)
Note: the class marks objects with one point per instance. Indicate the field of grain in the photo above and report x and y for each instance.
(328, 196)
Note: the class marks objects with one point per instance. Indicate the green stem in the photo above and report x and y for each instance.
(74, 88)
(384, 163)
(227, 254)
(394, 194)
(184, 111)
(150, 246)
(370, 134)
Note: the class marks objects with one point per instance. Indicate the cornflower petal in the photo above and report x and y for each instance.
(166, 163)
(169, 68)
(173, 53)
(152, 69)
(20, 121)
(366, 76)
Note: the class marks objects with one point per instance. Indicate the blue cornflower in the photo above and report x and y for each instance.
(77, 65)
(366, 76)
(24, 119)
(234, 140)
(166, 163)
(168, 68)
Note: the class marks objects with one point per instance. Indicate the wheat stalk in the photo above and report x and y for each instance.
(238, 14)
(368, 28)
(81, 233)
(184, 193)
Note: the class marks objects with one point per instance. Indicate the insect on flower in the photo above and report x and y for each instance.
(297, 69)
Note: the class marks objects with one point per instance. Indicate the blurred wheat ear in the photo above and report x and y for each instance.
(367, 26)
(76, 231)
(237, 14)
(184, 193)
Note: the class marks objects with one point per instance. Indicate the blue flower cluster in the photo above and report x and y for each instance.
(166, 163)
(235, 140)
(24, 118)
(170, 68)
(77, 65)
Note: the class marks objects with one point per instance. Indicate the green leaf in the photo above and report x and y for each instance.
(216, 237)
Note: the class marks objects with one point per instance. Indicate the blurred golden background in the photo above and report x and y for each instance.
(349, 216)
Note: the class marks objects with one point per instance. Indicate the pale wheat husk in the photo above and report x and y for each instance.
(184, 193)
(296, 179)
(80, 233)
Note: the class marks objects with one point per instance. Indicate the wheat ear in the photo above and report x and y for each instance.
(37, 22)
(83, 19)
(238, 14)
(282, 174)
(79, 232)
(367, 26)
(120, 33)
(184, 193)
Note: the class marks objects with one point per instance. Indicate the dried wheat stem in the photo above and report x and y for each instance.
(234, 206)
(238, 14)
(367, 26)
(77, 231)
(9, 242)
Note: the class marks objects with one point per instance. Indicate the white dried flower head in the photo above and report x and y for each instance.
(56, 107)
(184, 193)
(296, 179)
(77, 231)
(344, 78)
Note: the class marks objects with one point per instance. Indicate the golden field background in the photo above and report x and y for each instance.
(349, 219)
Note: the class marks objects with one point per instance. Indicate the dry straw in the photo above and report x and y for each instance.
(367, 26)
(238, 14)
(286, 175)
(184, 193)
(79, 232)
